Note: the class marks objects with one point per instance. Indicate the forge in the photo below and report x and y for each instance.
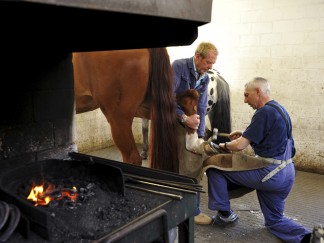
(104, 201)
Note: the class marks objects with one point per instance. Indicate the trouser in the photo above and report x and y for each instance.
(198, 204)
(271, 194)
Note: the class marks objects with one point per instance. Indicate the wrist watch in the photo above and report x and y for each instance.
(183, 118)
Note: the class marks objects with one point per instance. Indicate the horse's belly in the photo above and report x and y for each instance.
(143, 111)
(84, 104)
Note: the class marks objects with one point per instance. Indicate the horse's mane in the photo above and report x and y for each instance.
(188, 101)
(164, 148)
(221, 115)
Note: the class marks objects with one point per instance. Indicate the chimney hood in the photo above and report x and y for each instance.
(90, 25)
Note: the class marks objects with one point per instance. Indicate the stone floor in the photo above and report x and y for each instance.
(305, 205)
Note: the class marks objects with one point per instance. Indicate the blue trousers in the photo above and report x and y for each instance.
(198, 211)
(271, 194)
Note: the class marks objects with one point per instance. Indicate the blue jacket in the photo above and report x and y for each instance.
(184, 77)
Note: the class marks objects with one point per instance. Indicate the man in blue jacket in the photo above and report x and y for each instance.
(191, 73)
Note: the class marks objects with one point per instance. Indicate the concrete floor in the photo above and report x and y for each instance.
(305, 205)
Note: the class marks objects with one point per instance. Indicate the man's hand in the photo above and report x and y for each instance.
(235, 135)
(193, 121)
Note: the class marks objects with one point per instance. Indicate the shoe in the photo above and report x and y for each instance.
(218, 149)
(221, 220)
(203, 219)
(209, 150)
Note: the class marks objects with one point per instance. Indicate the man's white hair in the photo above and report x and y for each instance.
(259, 82)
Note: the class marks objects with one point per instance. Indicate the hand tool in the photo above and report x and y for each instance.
(220, 134)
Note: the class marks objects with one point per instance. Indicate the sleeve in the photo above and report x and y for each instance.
(257, 129)
(176, 67)
(202, 106)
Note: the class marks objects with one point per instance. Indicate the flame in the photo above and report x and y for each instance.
(44, 197)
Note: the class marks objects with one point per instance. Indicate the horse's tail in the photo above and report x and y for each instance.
(163, 140)
(221, 115)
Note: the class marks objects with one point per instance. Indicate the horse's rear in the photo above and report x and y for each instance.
(125, 84)
(111, 80)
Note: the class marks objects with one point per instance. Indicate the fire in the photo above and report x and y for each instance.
(43, 196)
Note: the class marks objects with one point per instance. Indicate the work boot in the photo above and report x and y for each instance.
(230, 220)
(202, 219)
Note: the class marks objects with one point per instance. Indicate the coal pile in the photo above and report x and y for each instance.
(98, 215)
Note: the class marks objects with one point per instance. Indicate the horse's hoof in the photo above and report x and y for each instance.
(213, 149)
(209, 150)
(143, 155)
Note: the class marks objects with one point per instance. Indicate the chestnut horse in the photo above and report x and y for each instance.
(131, 83)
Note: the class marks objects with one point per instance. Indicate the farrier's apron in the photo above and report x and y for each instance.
(194, 165)
(240, 162)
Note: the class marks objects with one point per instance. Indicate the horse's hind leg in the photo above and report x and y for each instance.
(122, 134)
(145, 131)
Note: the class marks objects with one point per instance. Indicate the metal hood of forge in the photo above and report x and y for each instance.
(80, 25)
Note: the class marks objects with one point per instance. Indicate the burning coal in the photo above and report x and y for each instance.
(42, 195)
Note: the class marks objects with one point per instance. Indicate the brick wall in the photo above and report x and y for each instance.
(36, 121)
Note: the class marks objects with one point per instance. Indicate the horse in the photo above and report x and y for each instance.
(131, 83)
(217, 115)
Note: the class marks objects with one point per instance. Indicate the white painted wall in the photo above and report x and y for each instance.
(283, 41)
